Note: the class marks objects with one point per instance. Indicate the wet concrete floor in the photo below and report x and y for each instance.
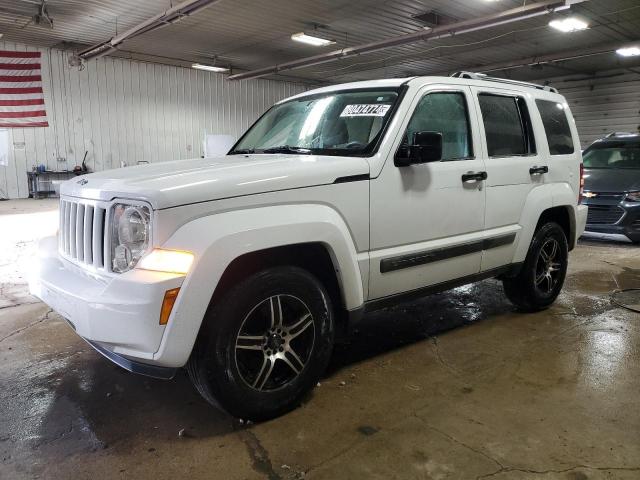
(455, 386)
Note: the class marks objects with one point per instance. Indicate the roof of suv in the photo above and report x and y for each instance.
(468, 77)
(619, 138)
(623, 136)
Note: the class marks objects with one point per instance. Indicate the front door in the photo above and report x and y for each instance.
(427, 220)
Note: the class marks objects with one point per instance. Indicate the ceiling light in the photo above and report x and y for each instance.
(628, 51)
(311, 40)
(569, 24)
(209, 68)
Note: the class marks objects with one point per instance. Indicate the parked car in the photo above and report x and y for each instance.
(338, 201)
(612, 185)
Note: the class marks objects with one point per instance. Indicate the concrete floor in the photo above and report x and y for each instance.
(456, 386)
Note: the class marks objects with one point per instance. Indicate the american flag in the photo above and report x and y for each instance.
(21, 97)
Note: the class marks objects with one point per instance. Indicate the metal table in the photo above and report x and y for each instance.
(41, 183)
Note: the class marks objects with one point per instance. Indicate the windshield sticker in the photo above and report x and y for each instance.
(365, 110)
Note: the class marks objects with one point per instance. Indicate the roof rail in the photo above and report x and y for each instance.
(482, 76)
(621, 134)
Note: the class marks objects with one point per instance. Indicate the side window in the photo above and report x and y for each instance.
(507, 125)
(446, 113)
(556, 126)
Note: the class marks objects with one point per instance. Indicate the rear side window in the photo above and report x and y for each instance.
(507, 125)
(556, 126)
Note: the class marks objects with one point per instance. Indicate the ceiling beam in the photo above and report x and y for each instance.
(162, 19)
(564, 55)
(444, 31)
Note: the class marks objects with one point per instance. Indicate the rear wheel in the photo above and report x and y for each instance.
(542, 275)
(265, 344)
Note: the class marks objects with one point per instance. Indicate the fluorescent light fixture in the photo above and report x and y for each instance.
(311, 40)
(209, 68)
(628, 51)
(569, 24)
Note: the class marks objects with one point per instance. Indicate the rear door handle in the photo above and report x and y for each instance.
(538, 170)
(474, 176)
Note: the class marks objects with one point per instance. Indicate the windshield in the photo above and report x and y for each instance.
(623, 155)
(334, 123)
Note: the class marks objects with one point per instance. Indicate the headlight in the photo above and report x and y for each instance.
(632, 197)
(129, 235)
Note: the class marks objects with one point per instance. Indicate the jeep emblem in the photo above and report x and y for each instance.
(82, 181)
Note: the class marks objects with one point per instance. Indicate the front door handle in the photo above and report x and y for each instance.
(474, 176)
(538, 170)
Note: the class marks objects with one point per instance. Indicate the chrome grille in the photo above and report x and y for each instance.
(604, 214)
(82, 231)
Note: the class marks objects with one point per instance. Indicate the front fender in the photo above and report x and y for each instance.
(218, 239)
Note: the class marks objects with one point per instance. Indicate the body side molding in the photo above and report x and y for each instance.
(421, 258)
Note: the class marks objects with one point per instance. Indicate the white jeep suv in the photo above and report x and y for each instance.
(245, 268)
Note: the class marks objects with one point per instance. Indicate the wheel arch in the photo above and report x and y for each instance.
(564, 216)
(315, 257)
(554, 202)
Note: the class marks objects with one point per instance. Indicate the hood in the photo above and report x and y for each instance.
(611, 180)
(179, 182)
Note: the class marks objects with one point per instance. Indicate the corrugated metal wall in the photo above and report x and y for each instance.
(121, 110)
(608, 102)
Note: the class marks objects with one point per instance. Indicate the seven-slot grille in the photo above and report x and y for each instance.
(604, 214)
(82, 231)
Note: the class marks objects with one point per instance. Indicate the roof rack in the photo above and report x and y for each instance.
(482, 76)
(620, 134)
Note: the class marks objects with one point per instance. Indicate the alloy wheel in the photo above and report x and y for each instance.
(275, 342)
(548, 266)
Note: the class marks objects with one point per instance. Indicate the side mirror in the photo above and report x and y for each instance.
(425, 147)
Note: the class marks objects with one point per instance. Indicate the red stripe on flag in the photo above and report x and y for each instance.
(10, 54)
(19, 66)
(19, 103)
(20, 78)
(17, 91)
(36, 113)
(26, 124)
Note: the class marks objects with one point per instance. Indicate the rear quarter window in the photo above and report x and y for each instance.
(556, 127)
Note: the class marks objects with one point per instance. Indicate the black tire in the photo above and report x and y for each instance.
(228, 369)
(539, 281)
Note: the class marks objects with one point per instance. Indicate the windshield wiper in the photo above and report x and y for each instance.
(287, 149)
(242, 151)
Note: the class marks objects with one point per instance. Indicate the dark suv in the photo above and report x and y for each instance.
(612, 185)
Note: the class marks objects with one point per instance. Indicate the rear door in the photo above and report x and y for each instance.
(513, 165)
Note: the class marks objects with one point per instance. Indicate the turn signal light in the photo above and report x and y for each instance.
(167, 304)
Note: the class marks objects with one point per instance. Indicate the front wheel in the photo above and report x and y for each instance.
(265, 344)
(542, 275)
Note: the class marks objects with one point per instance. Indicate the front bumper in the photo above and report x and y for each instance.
(627, 223)
(117, 314)
(155, 371)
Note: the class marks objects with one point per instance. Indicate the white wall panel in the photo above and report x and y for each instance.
(608, 102)
(121, 110)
